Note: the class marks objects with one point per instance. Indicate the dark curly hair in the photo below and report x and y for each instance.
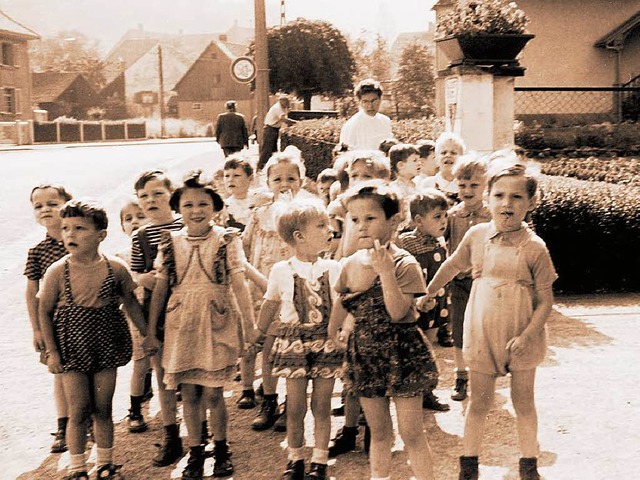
(193, 180)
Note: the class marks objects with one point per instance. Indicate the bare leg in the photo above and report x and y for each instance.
(248, 369)
(321, 409)
(104, 385)
(379, 419)
(167, 397)
(218, 418)
(191, 403)
(77, 390)
(58, 395)
(481, 399)
(140, 368)
(414, 438)
(459, 359)
(296, 411)
(351, 410)
(522, 396)
(269, 382)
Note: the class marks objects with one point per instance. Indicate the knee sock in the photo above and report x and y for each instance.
(77, 463)
(136, 404)
(320, 456)
(295, 454)
(104, 456)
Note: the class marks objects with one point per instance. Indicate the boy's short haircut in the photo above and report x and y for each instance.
(62, 192)
(194, 180)
(449, 137)
(386, 145)
(281, 157)
(86, 209)
(236, 161)
(368, 85)
(148, 176)
(427, 200)
(509, 165)
(425, 147)
(400, 153)
(296, 216)
(327, 175)
(469, 165)
(376, 190)
(131, 202)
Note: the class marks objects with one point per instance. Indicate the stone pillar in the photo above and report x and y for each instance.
(479, 106)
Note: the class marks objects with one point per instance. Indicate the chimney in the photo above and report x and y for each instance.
(222, 37)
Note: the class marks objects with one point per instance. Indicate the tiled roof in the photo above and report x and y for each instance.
(48, 86)
(619, 34)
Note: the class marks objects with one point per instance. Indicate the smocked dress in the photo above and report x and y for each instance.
(201, 342)
(302, 348)
(92, 339)
(507, 269)
(386, 359)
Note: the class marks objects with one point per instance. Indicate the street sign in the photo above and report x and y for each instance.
(243, 69)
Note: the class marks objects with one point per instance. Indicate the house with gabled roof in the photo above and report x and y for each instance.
(63, 94)
(208, 84)
(15, 77)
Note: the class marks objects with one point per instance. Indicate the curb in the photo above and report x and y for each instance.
(152, 141)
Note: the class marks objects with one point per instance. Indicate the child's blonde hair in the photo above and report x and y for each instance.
(282, 157)
(506, 163)
(296, 216)
(131, 202)
(379, 164)
(469, 165)
(427, 200)
(62, 192)
(449, 137)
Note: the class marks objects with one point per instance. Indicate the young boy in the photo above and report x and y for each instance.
(46, 201)
(405, 167)
(449, 147)
(153, 189)
(429, 214)
(471, 175)
(238, 177)
(325, 179)
(428, 164)
(131, 219)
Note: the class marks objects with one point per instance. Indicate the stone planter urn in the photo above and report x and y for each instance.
(483, 48)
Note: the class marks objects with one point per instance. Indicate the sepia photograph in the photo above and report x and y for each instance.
(320, 240)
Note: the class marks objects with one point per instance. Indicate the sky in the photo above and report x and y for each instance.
(108, 20)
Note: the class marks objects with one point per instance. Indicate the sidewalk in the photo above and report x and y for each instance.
(107, 143)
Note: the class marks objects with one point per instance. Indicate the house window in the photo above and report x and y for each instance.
(217, 79)
(197, 106)
(10, 101)
(8, 57)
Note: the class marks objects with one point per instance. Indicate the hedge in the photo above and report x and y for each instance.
(612, 170)
(592, 230)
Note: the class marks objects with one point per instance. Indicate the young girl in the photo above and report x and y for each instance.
(264, 249)
(449, 147)
(131, 218)
(202, 265)
(299, 290)
(86, 333)
(387, 354)
(509, 303)
(46, 201)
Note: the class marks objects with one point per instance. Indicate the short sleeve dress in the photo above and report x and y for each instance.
(385, 359)
(201, 342)
(507, 269)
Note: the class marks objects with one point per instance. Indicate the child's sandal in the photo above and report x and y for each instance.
(108, 471)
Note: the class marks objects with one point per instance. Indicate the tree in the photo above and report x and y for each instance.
(415, 88)
(68, 51)
(372, 57)
(309, 58)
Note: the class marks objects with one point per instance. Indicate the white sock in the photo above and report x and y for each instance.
(320, 456)
(104, 456)
(77, 463)
(296, 454)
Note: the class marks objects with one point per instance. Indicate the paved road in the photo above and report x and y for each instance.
(105, 173)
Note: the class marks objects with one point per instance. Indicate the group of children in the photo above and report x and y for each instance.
(351, 277)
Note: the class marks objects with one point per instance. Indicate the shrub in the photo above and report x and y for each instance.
(317, 138)
(592, 230)
(613, 170)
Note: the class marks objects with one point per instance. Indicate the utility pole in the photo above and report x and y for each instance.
(283, 17)
(161, 92)
(262, 67)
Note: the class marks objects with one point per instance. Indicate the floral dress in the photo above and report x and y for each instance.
(201, 342)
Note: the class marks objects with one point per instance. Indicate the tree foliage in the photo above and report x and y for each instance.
(68, 51)
(415, 87)
(372, 57)
(309, 58)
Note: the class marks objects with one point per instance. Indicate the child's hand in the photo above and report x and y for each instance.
(425, 303)
(341, 340)
(381, 259)
(147, 280)
(518, 345)
(150, 345)
(38, 341)
(54, 362)
(254, 337)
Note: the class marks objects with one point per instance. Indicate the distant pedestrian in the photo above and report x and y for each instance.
(275, 119)
(231, 130)
(368, 128)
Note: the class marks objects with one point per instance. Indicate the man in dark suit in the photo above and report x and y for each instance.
(231, 130)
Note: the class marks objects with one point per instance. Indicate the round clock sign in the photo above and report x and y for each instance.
(243, 69)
